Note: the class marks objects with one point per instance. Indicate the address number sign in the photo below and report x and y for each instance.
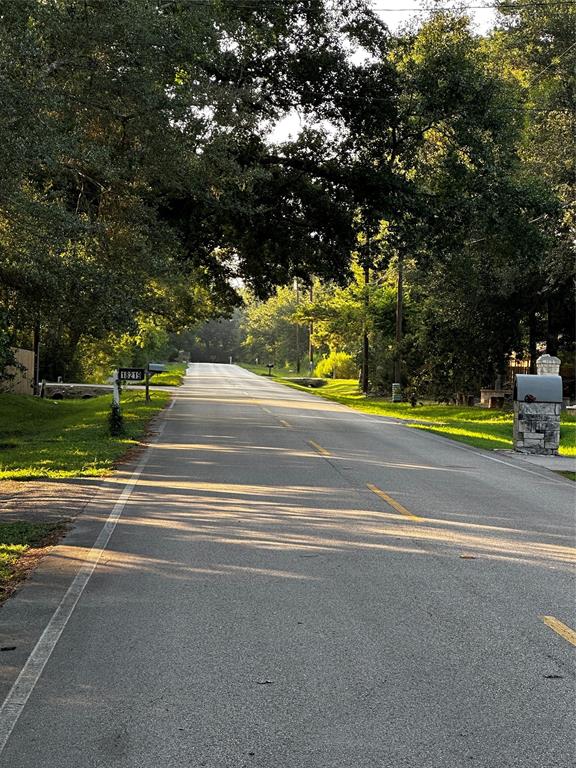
(131, 374)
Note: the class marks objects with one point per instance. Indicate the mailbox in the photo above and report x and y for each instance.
(537, 406)
(537, 389)
(156, 368)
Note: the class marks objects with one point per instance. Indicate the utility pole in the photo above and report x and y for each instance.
(399, 318)
(365, 341)
(296, 285)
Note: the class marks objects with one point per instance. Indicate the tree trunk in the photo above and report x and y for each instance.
(551, 333)
(532, 331)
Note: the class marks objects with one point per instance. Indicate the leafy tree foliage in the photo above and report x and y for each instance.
(213, 341)
(337, 365)
(139, 185)
(535, 47)
(270, 329)
(134, 165)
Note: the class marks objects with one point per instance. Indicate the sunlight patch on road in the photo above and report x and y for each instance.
(277, 403)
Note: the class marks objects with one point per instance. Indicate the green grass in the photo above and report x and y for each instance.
(172, 377)
(68, 438)
(15, 540)
(277, 373)
(479, 427)
(569, 475)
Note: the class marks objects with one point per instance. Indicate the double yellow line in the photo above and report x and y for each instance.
(560, 628)
(374, 488)
(392, 502)
(319, 448)
(554, 624)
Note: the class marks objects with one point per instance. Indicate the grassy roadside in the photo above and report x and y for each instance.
(262, 370)
(20, 545)
(170, 378)
(569, 475)
(68, 438)
(479, 427)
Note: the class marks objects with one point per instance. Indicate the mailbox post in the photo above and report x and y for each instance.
(150, 371)
(537, 407)
(116, 388)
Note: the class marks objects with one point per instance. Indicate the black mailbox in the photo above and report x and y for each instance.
(156, 368)
(537, 389)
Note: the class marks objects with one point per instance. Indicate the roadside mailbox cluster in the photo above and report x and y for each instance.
(537, 407)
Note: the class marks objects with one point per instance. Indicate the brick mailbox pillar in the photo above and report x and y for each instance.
(537, 407)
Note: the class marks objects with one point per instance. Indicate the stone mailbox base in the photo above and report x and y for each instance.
(397, 393)
(537, 428)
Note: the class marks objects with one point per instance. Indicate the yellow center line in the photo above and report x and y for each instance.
(392, 502)
(560, 628)
(319, 448)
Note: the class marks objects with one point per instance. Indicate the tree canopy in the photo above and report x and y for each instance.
(139, 182)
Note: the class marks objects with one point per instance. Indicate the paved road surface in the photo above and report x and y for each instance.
(259, 605)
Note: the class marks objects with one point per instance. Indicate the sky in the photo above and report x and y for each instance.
(397, 12)
(394, 13)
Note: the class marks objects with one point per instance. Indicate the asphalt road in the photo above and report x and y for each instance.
(292, 584)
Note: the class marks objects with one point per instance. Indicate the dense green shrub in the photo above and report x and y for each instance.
(338, 365)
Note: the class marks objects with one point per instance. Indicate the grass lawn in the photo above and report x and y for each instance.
(172, 377)
(68, 438)
(489, 429)
(16, 540)
(262, 370)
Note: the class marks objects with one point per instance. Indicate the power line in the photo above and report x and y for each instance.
(493, 6)
(386, 9)
(548, 110)
(552, 63)
(507, 6)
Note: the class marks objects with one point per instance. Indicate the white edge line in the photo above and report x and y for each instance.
(469, 449)
(30, 674)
